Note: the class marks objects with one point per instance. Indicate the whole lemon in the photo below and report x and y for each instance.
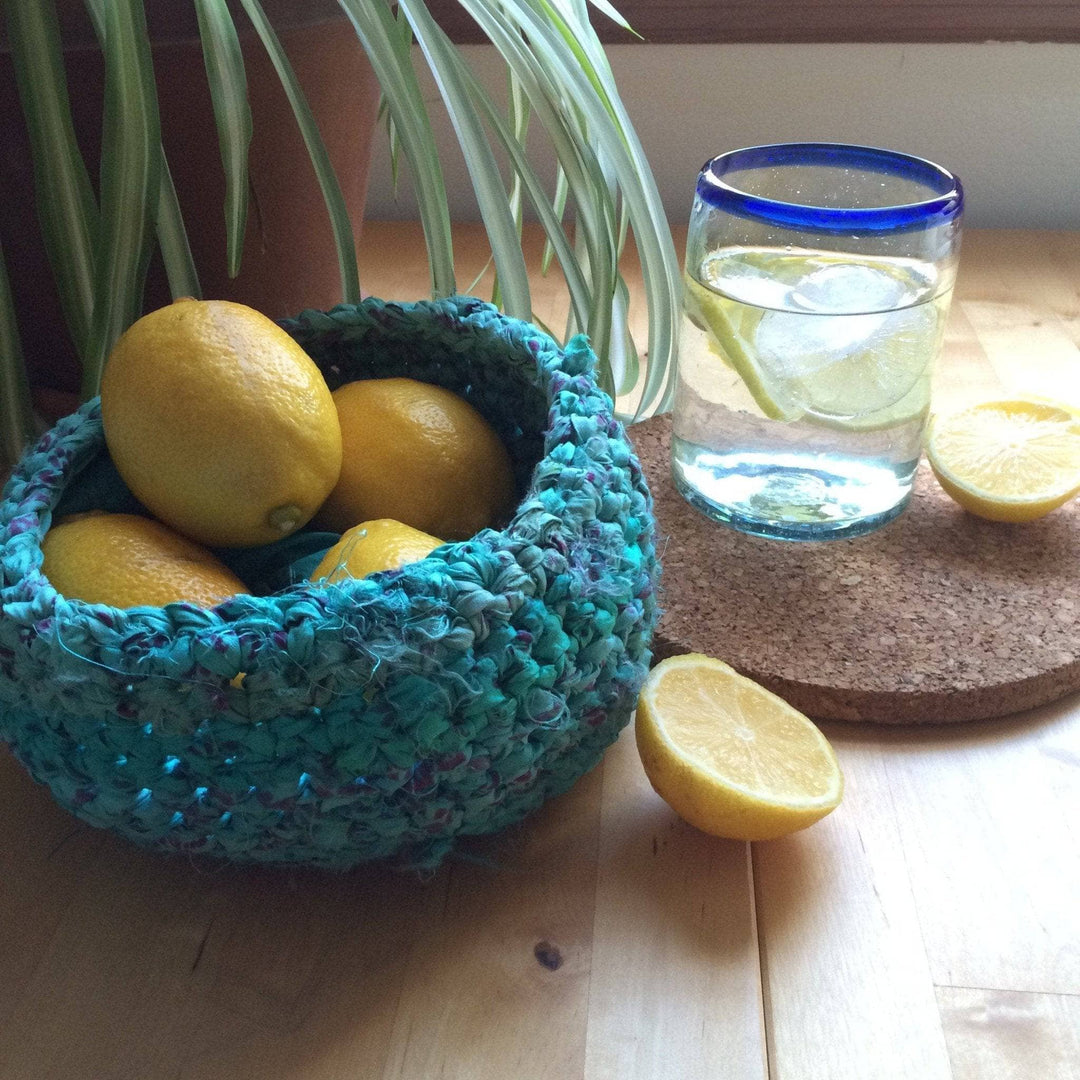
(372, 546)
(127, 561)
(220, 423)
(421, 455)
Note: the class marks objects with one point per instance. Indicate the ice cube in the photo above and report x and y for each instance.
(791, 345)
(848, 288)
(760, 278)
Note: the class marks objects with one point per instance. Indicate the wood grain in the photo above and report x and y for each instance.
(858, 1003)
(1010, 1035)
(501, 973)
(675, 988)
(993, 850)
(928, 928)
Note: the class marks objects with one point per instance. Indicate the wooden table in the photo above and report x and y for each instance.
(929, 928)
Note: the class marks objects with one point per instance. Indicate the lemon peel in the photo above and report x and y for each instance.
(126, 560)
(220, 423)
(371, 546)
(419, 454)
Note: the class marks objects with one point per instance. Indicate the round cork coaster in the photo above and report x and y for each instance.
(938, 616)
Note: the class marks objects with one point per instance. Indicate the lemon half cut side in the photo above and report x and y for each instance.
(729, 756)
(734, 345)
(1013, 461)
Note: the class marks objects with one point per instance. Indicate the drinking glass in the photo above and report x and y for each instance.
(817, 283)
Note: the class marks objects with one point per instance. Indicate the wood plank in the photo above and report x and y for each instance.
(987, 817)
(108, 975)
(1051, 358)
(498, 980)
(1018, 294)
(963, 373)
(675, 988)
(119, 963)
(848, 994)
(1011, 1036)
(1039, 269)
(299, 974)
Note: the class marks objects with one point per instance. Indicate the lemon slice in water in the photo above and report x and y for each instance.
(732, 328)
(857, 371)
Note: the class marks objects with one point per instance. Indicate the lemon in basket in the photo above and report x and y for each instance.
(372, 546)
(125, 560)
(730, 757)
(1012, 461)
(220, 423)
(418, 454)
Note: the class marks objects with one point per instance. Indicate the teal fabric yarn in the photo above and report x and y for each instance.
(377, 718)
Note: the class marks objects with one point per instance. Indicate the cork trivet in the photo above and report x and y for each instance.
(938, 616)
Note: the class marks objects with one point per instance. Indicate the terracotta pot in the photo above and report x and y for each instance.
(289, 261)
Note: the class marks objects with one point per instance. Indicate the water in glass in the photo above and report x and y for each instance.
(804, 386)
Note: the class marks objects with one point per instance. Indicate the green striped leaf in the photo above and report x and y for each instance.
(168, 221)
(446, 66)
(388, 50)
(594, 211)
(65, 201)
(578, 63)
(16, 415)
(577, 285)
(611, 13)
(228, 91)
(559, 205)
(518, 111)
(130, 176)
(172, 237)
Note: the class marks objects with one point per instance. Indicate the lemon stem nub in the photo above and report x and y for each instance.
(285, 518)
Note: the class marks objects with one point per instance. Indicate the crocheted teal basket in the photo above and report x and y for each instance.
(378, 718)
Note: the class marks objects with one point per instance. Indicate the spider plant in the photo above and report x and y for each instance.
(99, 242)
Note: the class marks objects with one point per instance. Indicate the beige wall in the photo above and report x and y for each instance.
(1005, 116)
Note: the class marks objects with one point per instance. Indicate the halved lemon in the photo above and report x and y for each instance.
(1014, 460)
(729, 756)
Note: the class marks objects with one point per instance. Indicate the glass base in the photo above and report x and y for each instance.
(792, 501)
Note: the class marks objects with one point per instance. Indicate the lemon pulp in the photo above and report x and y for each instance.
(729, 756)
(1013, 460)
(859, 370)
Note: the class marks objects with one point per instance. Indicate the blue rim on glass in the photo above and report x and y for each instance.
(946, 203)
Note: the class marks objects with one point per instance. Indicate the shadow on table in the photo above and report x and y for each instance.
(118, 962)
(1032, 723)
